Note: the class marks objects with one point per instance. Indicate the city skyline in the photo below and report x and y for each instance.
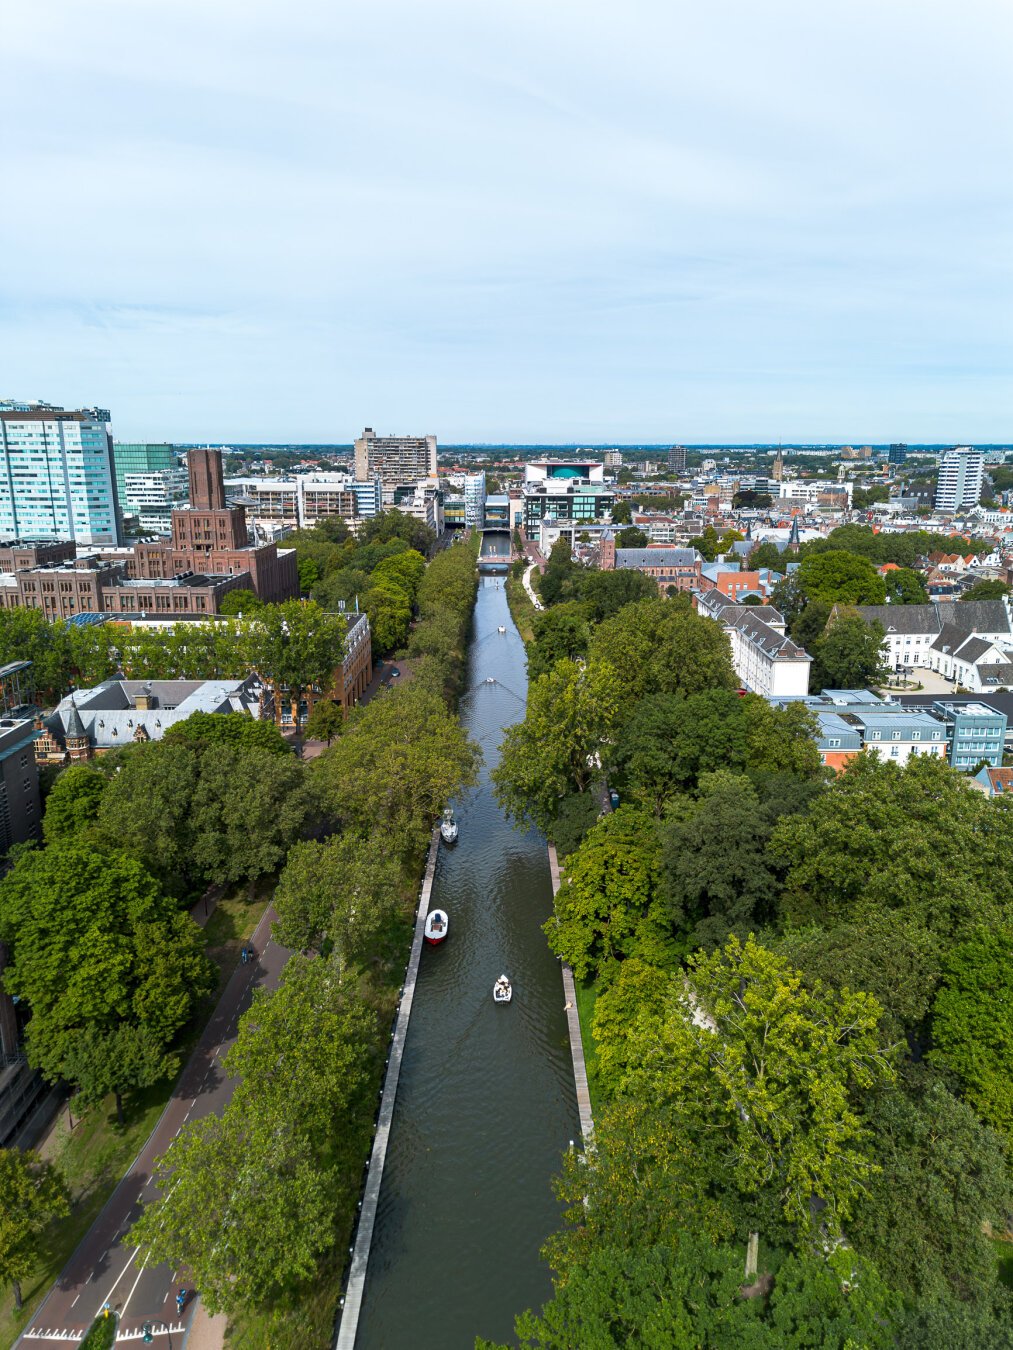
(522, 225)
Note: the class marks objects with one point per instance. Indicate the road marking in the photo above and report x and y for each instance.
(75, 1300)
(119, 1277)
(123, 1310)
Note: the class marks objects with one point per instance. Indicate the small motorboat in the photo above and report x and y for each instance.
(502, 628)
(436, 927)
(448, 827)
(502, 990)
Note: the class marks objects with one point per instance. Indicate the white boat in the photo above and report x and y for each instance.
(502, 628)
(502, 990)
(436, 927)
(448, 827)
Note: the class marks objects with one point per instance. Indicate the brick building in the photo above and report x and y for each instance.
(349, 683)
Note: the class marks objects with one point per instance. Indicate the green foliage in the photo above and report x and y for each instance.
(560, 634)
(906, 550)
(986, 590)
(561, 578)
(758, 1074)
(95, 944)
(32, 1197)
(943, 1176)
(972, 1023)
(911, 840)
(554, 752)
(336, 895)
(622, 513)
(671, 740)
(73, 802)
(662, 647)
(204, 730)
(606, 892)
(249, 1198)
(837, 577)
(297, 645)
(100, 1060)
(906, 587)
(848, 656)
(605, 593)
(632, 537)
(769, 556)
(575, 814)
(718, 881)
(247, 602)
(325, 721)
(396, 525)
(397, 764)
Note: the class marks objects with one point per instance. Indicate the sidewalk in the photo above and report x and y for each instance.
(205, 1332)
(527, 586)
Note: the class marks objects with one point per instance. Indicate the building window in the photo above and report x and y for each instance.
(895, 752)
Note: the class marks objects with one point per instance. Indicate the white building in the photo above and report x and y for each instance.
(814, 491)
(766, 661)
(56, 474)
(961, 473)
(274, 505)
(152, 496)
(935, 637)
(399, 460)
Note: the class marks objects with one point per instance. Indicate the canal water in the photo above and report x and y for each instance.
(486, 1102)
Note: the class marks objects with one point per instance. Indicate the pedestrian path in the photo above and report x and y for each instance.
(573, 1028)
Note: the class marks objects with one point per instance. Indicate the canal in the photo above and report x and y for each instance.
(486, 1101)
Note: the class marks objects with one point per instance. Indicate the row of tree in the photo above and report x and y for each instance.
(803, 1004)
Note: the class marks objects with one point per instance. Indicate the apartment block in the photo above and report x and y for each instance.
(397, 459)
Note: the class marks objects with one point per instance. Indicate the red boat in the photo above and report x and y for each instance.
(435, 930)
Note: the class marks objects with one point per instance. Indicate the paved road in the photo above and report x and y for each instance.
(102, 1268)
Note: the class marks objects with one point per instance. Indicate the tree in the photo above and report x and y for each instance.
(341, 589)
(28, 635)
(810, 624)
(404, 570)
(94, 943)
(986, 590)
(837, 577)
(250, 1198)
(556, 750)
(767, 555)
(904, 586)
(560, 634)
(205, 730)
(717, 880)
(662, 647)
(891, 956)
(622, 513)
(325, 721)
(849, 655)
(708, 543)
(390, 615)
(73, 801)
(240, 602)
(32, 1196)
(336, 894)
(398, 762)
(606, 892)
(912, 841)
(972, 1023)
(297, 646)
(115, 1060)
(248, 807)
(605, 593)
(943, 1177)
(670, 741)
(393, 524)
(631, 537)
(147, 810)
(561, 579)
(758, 1075)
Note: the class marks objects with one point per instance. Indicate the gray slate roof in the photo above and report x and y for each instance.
(655, 557)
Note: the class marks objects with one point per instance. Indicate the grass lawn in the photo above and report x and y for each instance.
(95, 1154)
(587, 994)
(101, 1334)
(521, 608)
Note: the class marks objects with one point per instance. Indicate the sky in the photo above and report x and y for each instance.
(512, 220)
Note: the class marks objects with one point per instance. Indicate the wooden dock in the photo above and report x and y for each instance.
(352, 1302)
(573, 1027)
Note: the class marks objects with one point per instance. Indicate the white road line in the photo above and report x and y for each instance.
(109, 1296)
(123, 1310)
(75, 1300)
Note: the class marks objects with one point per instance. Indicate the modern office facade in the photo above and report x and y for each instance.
(897, 453)
(677, 459)
(474, 499)
(141, 457)
(961, 475)
(399, 460)
(565, 490)
(149, 498)
(56, 474)
(976, 734)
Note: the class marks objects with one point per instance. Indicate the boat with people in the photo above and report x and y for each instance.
(436, 927)
(502, 990)
(448, 827)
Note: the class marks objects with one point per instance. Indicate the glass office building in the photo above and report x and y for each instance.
(56, 474)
